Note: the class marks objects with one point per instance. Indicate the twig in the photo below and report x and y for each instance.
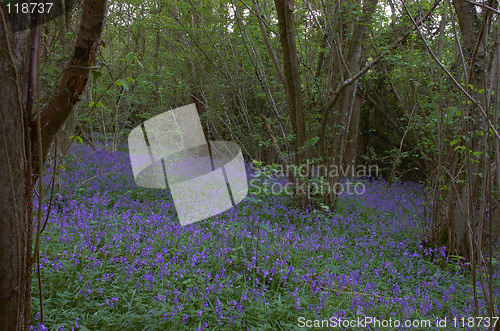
(275, 141)
(353, 78)
(401, 144)
(496, 11)
(52, 184)
(454, 81)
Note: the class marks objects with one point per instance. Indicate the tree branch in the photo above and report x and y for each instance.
(367, 67)
(455, 82)
(74, 78)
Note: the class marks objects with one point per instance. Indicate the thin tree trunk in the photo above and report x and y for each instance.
(474, 52)
(267, 42)
(291, 72)
(352, 140)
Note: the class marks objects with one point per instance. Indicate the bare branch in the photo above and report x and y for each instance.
(482, 5)
(455, 82)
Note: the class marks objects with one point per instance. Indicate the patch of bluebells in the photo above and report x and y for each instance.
(114, 256)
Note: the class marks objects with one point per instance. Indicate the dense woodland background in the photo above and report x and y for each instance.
(409, 86)
(337, 83)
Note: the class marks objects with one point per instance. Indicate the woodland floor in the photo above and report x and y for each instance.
(114, 257)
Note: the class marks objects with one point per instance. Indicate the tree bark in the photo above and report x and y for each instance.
(350, 154)
(461, 204)
(267, 42)
(291, 71)
(18, 138)
(15, 236)
(74, 77)
(349, 107)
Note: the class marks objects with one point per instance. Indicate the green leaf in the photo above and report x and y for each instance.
(124, 83)
(76, 139)
(98, 105)
(130, 57)
(96, 74)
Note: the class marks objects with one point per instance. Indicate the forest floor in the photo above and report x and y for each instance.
(114, 257)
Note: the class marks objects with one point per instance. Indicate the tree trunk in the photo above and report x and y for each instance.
(462, 205)
(350, 153)
(19, 151)
(348, 107)
(291, 71)
(15, 236)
